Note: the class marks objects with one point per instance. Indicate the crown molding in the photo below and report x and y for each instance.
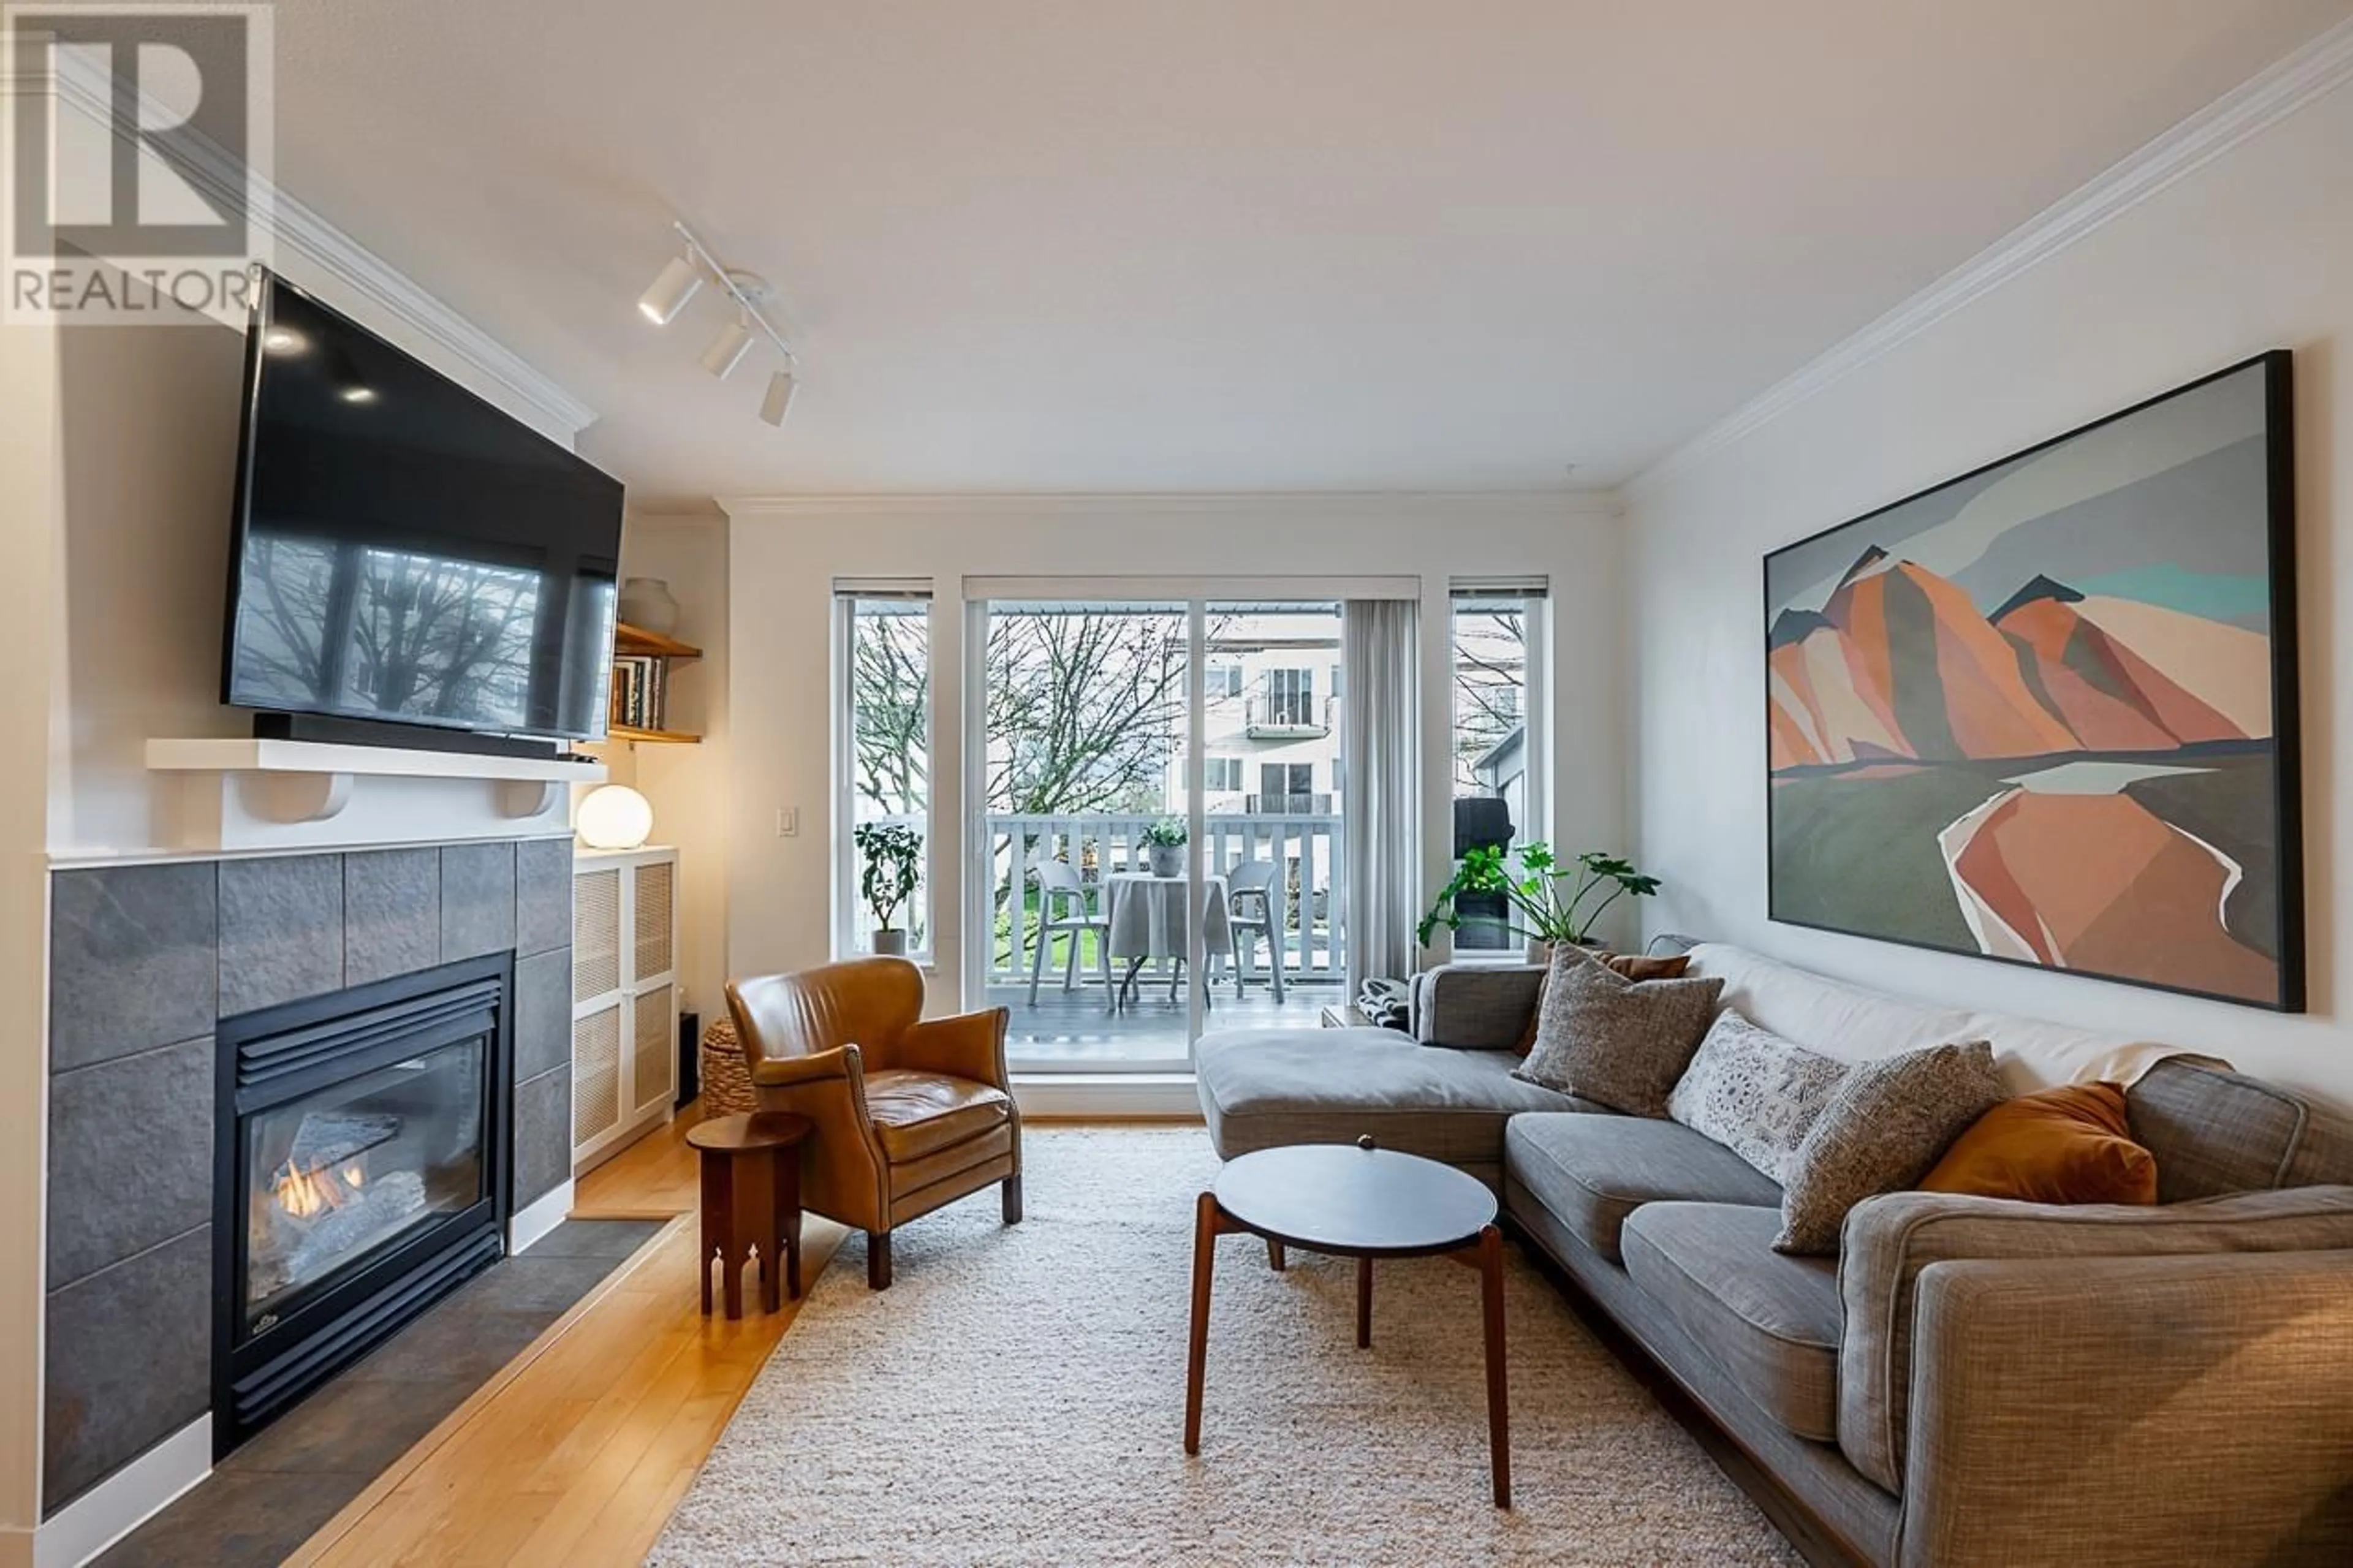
(293, 228)
(300, 229)
(1471, 505)
(2310, 73)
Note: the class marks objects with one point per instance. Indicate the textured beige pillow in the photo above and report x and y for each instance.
(1885, 1127)
(1615, 1041)
(1754, 1093)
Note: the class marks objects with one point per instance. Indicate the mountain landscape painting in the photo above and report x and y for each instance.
(2046, 712)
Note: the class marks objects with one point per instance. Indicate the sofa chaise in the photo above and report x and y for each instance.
(1971, 1381)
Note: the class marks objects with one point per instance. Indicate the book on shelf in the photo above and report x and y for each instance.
(639, 691)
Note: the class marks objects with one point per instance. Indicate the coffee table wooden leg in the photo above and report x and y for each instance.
(1274, 1259)
(1498, 1419)
(1205, 1252)
(1363, 1303)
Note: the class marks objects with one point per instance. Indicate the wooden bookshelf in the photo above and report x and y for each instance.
(638, 642)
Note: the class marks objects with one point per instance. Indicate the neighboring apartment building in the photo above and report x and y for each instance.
(1272, 735)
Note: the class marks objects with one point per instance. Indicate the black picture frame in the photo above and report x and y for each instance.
(2283, 795)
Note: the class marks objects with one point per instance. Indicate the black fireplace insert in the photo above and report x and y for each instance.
(361, 1175)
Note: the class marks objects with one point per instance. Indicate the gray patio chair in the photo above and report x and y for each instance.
(1257, 904)
(1056, 883)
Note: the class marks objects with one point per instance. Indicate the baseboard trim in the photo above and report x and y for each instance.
(539, 1216)
(125, 1499)
(1107, 1097)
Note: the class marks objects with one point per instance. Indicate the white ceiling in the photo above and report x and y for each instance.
(1214, 245)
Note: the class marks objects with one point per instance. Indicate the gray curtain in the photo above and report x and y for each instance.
(1381, 731)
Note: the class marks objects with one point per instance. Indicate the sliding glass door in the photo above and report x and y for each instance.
(1273, 729)
(1158, 784)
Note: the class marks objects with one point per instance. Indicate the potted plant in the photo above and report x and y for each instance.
(892, 853)
(1163, 844)
(1552, 901)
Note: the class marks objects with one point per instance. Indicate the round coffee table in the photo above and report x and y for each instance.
(1362, 1203)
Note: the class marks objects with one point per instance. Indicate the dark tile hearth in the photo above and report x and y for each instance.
(271, 1495)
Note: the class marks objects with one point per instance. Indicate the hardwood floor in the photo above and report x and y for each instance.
(577, 1452)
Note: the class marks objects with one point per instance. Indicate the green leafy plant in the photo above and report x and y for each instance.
(1547, 898)
(1169, 833)
(892, 853)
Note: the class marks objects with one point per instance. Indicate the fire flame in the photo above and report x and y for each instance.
(307, 1194)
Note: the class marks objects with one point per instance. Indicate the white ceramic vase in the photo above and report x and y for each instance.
(646, 603)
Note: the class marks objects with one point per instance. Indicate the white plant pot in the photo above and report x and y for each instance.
(891, 943)
(1168, 859)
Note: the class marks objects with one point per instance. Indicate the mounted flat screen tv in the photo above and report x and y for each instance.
(404, 553)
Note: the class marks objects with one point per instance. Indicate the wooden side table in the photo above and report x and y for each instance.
(751, 1203)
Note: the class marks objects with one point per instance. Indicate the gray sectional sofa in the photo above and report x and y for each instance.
(1971, 1381)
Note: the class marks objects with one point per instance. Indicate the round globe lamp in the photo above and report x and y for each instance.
(613, 816)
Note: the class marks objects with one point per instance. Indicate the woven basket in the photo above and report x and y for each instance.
(726, 1076)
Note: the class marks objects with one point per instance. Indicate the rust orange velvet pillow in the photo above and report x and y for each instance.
(1634, 966)
(2065, 1145)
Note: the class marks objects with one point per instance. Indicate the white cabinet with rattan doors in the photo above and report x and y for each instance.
(624, 998)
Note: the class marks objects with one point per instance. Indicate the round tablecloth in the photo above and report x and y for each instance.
(1148, 916)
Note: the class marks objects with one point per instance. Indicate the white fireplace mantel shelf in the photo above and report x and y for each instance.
(257, 795)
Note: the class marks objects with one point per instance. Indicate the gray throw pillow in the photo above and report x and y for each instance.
(1618, 1042)
(1754, 1093)
(1885, 1127)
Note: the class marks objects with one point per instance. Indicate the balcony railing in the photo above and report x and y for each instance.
(1291, 718)
(1312, 898)
(1288, 805)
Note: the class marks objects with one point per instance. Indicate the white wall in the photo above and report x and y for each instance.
(783, 557)
(688, 786)
(2250, 251)
(150, 425)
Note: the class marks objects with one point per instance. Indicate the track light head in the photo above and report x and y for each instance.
(779, 400)
(670, 291)
(728, 349)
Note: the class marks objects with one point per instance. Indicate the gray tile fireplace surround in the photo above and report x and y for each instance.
(143, 961)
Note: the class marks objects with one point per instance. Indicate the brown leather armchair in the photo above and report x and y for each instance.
(911, 1113)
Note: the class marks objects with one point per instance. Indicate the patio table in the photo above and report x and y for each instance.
(1149, 921)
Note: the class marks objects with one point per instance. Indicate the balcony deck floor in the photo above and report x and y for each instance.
(1075, 1031)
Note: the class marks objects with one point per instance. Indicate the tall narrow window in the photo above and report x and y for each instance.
(885, 757)
(1497, 660)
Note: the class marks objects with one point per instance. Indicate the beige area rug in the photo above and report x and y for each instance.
(1018, 1397)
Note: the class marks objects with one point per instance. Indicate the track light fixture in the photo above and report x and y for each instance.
(779, 400)
(678, 284)
(670, 291)
(728, 349)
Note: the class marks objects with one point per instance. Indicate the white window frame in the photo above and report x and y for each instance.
(847, 594)
(1536, 705)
